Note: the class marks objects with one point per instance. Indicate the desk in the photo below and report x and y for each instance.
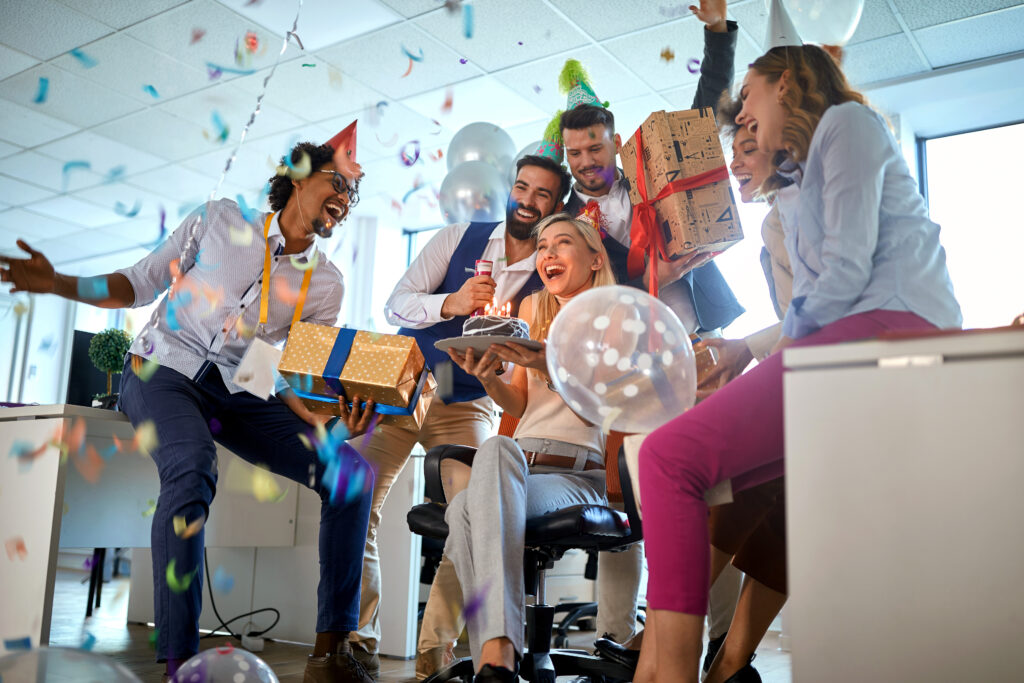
(904, 466)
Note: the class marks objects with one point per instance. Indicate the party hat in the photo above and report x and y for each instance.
(551, 144)
(574, 82)
(344, 146)
(781, 30)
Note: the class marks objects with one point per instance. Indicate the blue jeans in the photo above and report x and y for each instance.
(261, 432)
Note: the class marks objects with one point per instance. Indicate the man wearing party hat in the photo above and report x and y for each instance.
(191, 392)
(431, 302)
(692, 287)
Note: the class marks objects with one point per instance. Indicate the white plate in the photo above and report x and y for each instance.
(482, 342)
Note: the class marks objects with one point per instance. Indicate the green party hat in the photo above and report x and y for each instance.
(551, 144)
(574, 81)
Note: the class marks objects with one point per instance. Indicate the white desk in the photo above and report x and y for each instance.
(904, 467)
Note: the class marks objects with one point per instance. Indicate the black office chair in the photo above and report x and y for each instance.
(586, 527)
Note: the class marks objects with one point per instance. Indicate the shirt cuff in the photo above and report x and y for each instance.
(796, 323)
(432, 305)
(761, 343)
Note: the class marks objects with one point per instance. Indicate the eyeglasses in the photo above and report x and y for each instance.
(341, 184)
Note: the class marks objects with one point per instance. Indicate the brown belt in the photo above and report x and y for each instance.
(566, 461)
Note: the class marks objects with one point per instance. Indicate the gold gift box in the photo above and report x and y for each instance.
(322, 362)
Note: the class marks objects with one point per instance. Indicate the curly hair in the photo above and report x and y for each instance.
(815, 83)
(549, 164)
(281, 185)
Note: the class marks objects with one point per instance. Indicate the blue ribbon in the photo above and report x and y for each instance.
(336, 361)
(381, 408)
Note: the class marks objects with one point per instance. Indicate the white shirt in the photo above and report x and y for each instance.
(413, 304)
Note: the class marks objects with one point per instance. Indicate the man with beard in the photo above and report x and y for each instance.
(197, 341)
(430, 303)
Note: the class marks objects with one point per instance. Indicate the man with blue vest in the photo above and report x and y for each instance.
(430, 303)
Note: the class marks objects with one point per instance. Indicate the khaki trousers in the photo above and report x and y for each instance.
(469, 423)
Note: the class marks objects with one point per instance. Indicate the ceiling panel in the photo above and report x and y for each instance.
(7, 150)
(500, 36)
(752, 18)
(881, 59)
(142, 204)
(680, 98)
(106, 156)
(70, 97)
(877, 21)
(321, 22)
(975, 38)
(16, 193)
(641, 52)
(23, 126)
(631, 113)
(234, 107)
(177, 181)
(12, 61)
(378, 59)
(136, 231)
(75, 211)
(921, 13)
(34, 226)
(126, 65)
(121, 14)
(601, 19)
(158, 133)
(381, 136)
(65, 28)
(476, 100)
(81, 245)
(412, 8)
(48, 172)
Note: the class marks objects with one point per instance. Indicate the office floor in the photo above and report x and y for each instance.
(129, 643)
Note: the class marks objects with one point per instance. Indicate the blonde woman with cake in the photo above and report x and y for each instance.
(554, 459)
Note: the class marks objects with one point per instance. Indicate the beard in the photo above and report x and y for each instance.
(515, 226)
(322, 229)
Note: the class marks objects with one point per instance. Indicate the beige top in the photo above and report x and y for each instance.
(781, 279)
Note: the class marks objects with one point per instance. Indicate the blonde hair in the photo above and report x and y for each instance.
(546, 306)
(815, 83)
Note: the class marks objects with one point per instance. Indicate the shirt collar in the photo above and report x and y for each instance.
(528, 263)
(276, 240)
(618, 187)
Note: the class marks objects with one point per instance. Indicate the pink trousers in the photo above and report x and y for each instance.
(735, 434)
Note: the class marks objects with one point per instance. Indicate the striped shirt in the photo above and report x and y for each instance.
(215, 312)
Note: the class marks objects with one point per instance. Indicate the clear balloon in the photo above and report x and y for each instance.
(484, 142)
(45, 664)
(473, 191)
(529, 149)
(826, 22)
(622, 359)
(225, 664)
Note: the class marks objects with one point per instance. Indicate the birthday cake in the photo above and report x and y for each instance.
(495, 326)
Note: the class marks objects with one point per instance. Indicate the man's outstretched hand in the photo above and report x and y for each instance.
(712, 13)
(34, 274)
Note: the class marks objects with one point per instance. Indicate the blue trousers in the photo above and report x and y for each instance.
(261, 432)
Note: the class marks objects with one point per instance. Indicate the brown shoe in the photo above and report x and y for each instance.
(340, 667)
(429, 662)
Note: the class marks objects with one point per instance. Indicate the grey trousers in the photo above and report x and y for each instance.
(487, 527)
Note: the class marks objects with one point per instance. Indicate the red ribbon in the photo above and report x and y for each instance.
(644, 235)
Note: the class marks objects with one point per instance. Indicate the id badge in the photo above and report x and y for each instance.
(257, 371)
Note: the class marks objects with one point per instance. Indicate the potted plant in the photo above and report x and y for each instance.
(106, 351)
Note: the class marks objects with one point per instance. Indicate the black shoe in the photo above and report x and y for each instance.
(748, 674)
(496, 674)
(713, 647)
(613, 652)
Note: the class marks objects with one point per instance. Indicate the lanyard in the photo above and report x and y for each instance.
(265, 295)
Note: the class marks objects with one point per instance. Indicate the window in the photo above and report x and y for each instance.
(972, 180)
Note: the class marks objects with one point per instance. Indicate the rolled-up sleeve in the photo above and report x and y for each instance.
(853, 151)
(412, 303)
(152, 275)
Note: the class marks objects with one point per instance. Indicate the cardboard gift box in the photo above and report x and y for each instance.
(322, 363)
(675, 146)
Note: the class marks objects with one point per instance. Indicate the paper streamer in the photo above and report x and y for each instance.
(44, 88)
(150, 90)
(83, 59)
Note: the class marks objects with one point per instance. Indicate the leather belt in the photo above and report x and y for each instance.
(565, 461)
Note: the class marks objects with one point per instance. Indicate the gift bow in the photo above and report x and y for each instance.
(644, 234)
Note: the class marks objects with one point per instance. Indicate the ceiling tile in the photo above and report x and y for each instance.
(9, 243)
(412, 8)
(321, 22)
(16, 193)
(121, 14)
(130, 197)
(610, 79)
(35, 226)
(475, 101)
(158, 133)
(12, 61)
(126, 65)
(171, 34)
(629, 114)
(81, 245)
(979, 37)
(603, 19)
(752, 18)
(102, 153)
(65, 208)
(311, 92)
(498, 30)
(71, 98)
(255, 163)
(877, 21)
(880, 60)
(7, 150)
(134, 231)
(641, 52)
(48, 172)
(29, 127)
(921, 13)
(235, 107)
(382, 136)
(105, 263)
(680, 98)
(65, 28)
(378, 59)
(176, 181)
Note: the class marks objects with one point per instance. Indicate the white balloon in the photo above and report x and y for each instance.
(826, 22)
(484, 142)
(473, 191)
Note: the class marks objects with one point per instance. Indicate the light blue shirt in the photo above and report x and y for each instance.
(862, 239)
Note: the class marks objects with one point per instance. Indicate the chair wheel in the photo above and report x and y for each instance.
(561, 640)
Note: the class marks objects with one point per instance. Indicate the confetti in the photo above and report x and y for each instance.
(88, 643)
(308, 265)
(240, 237)
(333, 77)
(145, 437)
(144, 369)
(18, 643)
(292, 34)
(467, 21)
(436, 156)
(309, 65)
(151, 91)
(667, 55)
(606, 424)
(222, 581)
(211, 67)
(410, 55)
(123, 210)
(71, 166)
(369, 429)
(87, 565)
(83, 59)
(283, 292)
(462, 60)
(411, 157)
(693, 65)
(520, 42)
(215, 426)
(449, 100)
(185, 529)
(44, 87)
(252, 41)
(537, 89)
(15, 547)
(452, 5)
(197, 35)
(26, 452)
(178, 585)
(409, 70)
(151, 510)
(264, 487)
(203, 265)
(89, 465)
(163, 232)
(475, 603)
(223, 132)
(115, 174)
(214, 73)
(175, 304)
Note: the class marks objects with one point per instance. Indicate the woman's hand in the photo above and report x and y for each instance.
(733, 357)
(510, 352)
(485, 369)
